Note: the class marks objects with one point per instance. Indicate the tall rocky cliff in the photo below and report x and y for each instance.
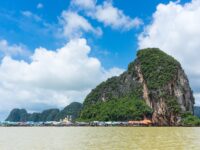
(154, 78)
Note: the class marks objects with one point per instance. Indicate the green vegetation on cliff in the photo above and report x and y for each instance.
(157, 67)
(172, 105)
(116, 87)
(117, 99)
(189, 120)
(123, 109)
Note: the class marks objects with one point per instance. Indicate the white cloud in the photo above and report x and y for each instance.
(12, 50)
(197, 96)
(86, 4)
(51, 78)
(75, 25)
(112, 16)
(108, 14)
(40, 6)
(175, 29)
(29, 14)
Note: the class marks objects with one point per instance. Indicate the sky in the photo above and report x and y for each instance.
(54, 52)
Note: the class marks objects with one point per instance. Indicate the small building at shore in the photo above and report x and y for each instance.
(145, 122)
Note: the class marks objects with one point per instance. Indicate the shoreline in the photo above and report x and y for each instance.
(98, 126)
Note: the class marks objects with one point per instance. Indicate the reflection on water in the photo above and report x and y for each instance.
(99, 138)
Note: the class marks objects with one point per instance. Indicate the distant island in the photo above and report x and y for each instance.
(154, 88)
(21, 115)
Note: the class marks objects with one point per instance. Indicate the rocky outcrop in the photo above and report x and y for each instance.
(17, 115)
(178, 89)
(155, 77)
(171, 98)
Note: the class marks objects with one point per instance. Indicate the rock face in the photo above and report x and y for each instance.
(155, 77)
(178, 90)
(166, 88)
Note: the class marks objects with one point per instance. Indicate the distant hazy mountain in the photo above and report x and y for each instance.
(17, 115)
(20, 115)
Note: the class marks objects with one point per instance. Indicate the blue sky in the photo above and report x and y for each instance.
(18, 29)
(54, 52)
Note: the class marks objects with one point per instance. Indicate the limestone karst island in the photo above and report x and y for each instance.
(99, 74)
(154, 91)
